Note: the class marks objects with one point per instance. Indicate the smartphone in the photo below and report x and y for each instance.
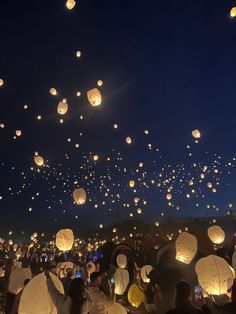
(198, 293)
(78, 274)
(112, 280)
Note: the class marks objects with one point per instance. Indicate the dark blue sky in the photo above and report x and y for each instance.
(168, 66)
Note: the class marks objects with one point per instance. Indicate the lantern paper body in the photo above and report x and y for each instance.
(216, 234)
(64, 239)
(62, 107)
(186, 247)
(53, 91)
(17, 279)
(70, 4)
(214, 275)
(116, 309)
(65, 266)
(145, 270)
(79, 196)
(128, 140)
(135, 295)
(121, 278)
(121, 260)
(94, 97)
(35, 297)
(90, 267)
(39, 161)
(233, 12)
(234, 260)
(131, 183)
(196, 133)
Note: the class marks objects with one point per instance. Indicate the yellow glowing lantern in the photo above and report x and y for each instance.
(214, 275)
(95, 157)
(53, 91)
(64, 239)
(135, 295)
(216, 234)
(62, 107)
(116, 308)
(90, 267)
(196, 133)
(186, 247)
(70, 4)
(131, 183)
(94, 97)
(18, 132)
(79, 196)
(121, 260)
(233, 12)
(17, 279)
(139, 211)
(39, 160)
(128, 140)
(1, 82)
(121, 278)
(100, 82)
(78, 54)
(168, 197)
(209, 185)
(145, 271)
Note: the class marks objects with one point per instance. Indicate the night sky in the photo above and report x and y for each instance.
(167, 67)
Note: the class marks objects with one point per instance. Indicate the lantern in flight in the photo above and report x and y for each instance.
(79, 196)
(62, 107)
(233, 12)
(168, 197)
(53, 91)
(64, 239)
(70, 4)
(100, 82)
(128, 140)
(186, 247)
(216, 234)
(39, 160)
(94, 97)
(121, 260)
(131, 183)
(196, 133)
(18, 132)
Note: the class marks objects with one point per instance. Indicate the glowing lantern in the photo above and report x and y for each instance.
(121, 279)
(100, 82)
(17, 279)
(196, 133)
(139, 211)
(214, 275)
(209, 185)
(62, 107)
(233, 12)
(94, 97)
(116, 308)
(128, 140)
(70, 4)
(168, 197)
(90, 267)
(78, 54)
(1, 82)
(53, 91)
(121, 260)
(145, 271)
(234, 259)
(95, 157)
(35, 297)
(186, 247)
(131, 183)
(135, 295)
(18, 132)
(64, 239)
(79, 196)
(39, 161)
(216, 234)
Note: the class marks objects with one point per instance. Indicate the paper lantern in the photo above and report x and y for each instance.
(39, 160)
(64, 239)
(79, 196)
(131, 183)
(139, 211)
(17, 279)
(35, 297)
(18, 132)
(121, 260)
(62, 107)
(216, 234)
(1, 82)
(186, 247)
(135, 295)
(145, 271)
(53, 91)
(128, 140)
(196, 133)
(94, 97)
(214, 275)
(233, 12)
(70, 4)
(234, 259)
(121, 278)
(90, 267)
(100, 82)
(116, 308)
(168, 197)
(95, 157)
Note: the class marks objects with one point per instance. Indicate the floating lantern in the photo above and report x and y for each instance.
(39, 160)
(145, 271)
(100, 82)
(209, 185)
(78, 54)
(64, 239)
(79, 196)
(18, 132)
(214, 275)
(62, 107)
(196, 133)
(135, 295)
(233, 12)
(186, 247)
(168, 197)
(17, 279)
(121, 279)
(139, 211)
(1, 82)
(131, 183)
(53, 91)
(128, 140)
(216, 234)
(94, 97)
(121, 260)
(95, 157)
(70, 4)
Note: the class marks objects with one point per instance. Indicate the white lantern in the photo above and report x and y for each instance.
(70, 4)
(39, 160)
(62, 107)
(145, 271)
(186, 247)
(234, 259)
(214, 275)
(35, 297)
(121, 279)
(17, 279)
(64, 239)
(121, 260)
(53, 91)
(94, 97)
(128, 140)
(233, 12)
(79, 196)
(18, 132)
(216, 234)
(116, 308)
(196, 133)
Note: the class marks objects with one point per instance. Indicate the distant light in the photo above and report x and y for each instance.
(78, 54)
(70, 4)
(233, 12)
